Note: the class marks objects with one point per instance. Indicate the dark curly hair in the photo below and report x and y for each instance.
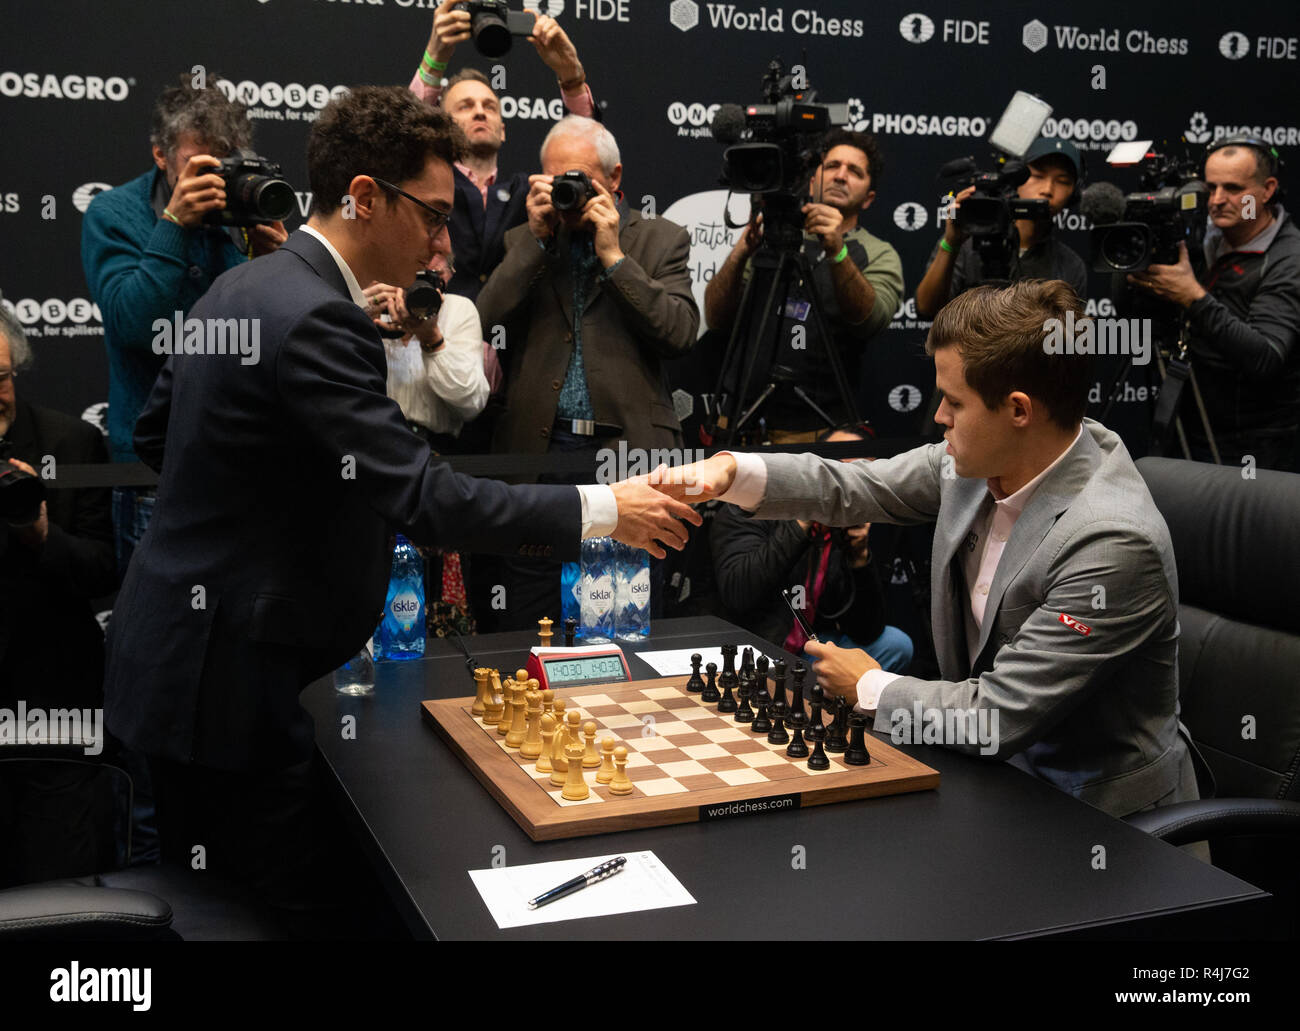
(219, 123)
(382, 131)
(866, 143)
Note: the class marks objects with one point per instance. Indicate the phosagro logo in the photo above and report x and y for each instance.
(85, 193)
(684, 14)
(916, 28)
(292, 102)
(909, 215)
(1198, 128)
(1234, 45)
(64, 87)
(916, 125)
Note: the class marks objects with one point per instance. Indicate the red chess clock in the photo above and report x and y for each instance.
(573, 667)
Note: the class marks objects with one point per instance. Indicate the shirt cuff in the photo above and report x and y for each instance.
(871, 686)
(599, 510)
(607, 274)
(750, 484)
(428, 93)
(579, 101)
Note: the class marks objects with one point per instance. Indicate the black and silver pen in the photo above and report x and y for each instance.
(598, 873)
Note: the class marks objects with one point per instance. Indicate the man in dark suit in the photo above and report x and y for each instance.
(283, 466)
(591, 299)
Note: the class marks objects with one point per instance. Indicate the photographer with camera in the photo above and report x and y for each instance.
(1055, 169)
(1243, 313)
(858, 279)
(593, 298)
(488, 202)
(149, 249)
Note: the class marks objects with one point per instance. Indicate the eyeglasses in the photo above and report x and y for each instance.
(6, 375)
(434, 219)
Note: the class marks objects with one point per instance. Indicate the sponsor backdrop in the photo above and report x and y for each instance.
(929, 78)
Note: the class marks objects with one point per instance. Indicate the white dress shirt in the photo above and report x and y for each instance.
(445, 388)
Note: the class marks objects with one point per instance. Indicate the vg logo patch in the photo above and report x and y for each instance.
(1074, 624)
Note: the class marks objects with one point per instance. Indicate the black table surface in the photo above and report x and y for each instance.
(992, 853)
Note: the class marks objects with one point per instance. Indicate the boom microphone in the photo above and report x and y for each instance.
(728, 123)
(1102, 203)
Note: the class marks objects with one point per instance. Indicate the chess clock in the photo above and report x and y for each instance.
(573, 667)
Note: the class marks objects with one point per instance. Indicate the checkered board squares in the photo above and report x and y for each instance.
(676, 744)
(684, 759)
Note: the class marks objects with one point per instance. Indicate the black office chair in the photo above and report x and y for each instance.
(1237, 547)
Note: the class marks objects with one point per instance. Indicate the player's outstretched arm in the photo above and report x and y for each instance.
(697, 482)
(647, 516)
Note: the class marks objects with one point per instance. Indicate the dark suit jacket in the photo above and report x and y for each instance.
(478, 233)
(266, 561)
(51, 647)
(641, 315)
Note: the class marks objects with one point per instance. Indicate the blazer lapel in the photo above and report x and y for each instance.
(966, 503)
(313, 252)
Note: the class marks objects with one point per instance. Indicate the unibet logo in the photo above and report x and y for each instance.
(85, 193)
(1034, 36)
(66, 87)
(1234, 45)
(1090, 129)
(684, 14)
(693, 114)
(1198, 128)
(909, 215)
(54, 311)
(916, 28)
(265, 100)
(905, 398)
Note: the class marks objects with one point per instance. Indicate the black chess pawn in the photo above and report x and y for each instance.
(570, 631)
(744, 712)
(816, 728)
(797, 749)
(818, 760)
(727, 678)
(837, 739)
(777, 735)
(798, 717)
(710, 692)
(696, 684)
(778, 682)
(763, 721)
(761, 694)
(728, 702)
(857, 754)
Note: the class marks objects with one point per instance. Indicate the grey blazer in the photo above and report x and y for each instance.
(1094, 713)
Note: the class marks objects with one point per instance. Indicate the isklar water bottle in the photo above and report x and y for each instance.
(400, 634)
(596, 590)
(631, 593)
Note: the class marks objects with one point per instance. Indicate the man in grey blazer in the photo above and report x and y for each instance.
(1055, 597)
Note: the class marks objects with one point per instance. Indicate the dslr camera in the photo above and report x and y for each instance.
(571, 190)
(256, 192)
(424, 296)
(492, 23)
(21, 493)
(1170, 208)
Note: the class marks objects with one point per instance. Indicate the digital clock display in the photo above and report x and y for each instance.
(584, 668)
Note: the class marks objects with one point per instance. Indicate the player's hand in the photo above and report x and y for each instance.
(951, 232)
(600, 215)
(267, 238)
(197, 192)
(449, 28)
(1175, 283)
(646, 516)
(824, 221)
(555, 48)
(697, 482)
(839, 669)
(542, 216)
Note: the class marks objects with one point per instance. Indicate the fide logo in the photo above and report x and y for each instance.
(1234, 45)
(905, 398)
(684, 14)
(85, 193)
(1198, 128)
(554, 8)
(909, 215)
(916, 28)
(1034, 36)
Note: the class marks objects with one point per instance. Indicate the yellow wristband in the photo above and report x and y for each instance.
(168, 214)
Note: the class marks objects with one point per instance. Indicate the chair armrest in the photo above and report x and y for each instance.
(67, 910)
(1185, 822)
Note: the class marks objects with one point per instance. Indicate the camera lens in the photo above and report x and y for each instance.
(566, 195)
(491, 37)
(271, 198)
(1125, 248)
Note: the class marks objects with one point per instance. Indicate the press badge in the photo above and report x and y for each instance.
(797, 310)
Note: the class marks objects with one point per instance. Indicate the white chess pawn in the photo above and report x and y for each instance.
(590, 757)
(621, 784)
(606, 772)
(548, 737)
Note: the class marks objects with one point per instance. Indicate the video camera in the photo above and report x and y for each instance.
(1145, 228)
(492, 23)
(783, 145)
(256, 193)
(989, 215)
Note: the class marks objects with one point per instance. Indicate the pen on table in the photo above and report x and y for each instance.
(596, 873)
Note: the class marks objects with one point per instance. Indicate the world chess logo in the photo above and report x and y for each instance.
(909, 215)
(684, 14)
(553, 8)
(1234, 45)
(905, 398)
(1034, 36)
(85, 193)
(916, 28)
(1198, 128)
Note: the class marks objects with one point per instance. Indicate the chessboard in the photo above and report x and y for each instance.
(686, 761)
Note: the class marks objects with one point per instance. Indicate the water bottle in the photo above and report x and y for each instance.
(570, 574)
(596, 589)
(357, 675)
(631, 593)
(400, 634)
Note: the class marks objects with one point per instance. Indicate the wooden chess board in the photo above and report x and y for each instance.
(686, 761)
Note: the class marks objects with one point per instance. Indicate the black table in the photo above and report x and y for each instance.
(993, 853)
